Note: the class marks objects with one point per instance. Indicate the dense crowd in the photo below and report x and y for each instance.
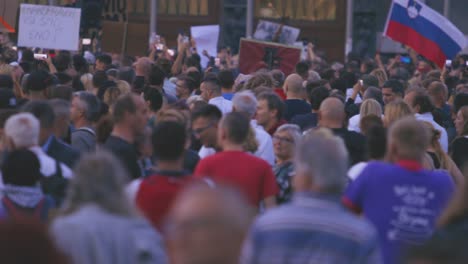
(108, 158)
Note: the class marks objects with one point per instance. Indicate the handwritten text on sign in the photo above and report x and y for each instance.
(49, 27)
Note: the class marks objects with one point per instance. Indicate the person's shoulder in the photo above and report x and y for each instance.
(249, 159)
(113, 143)
(355, 135)
(378, 168)
(82, 133)
(441, 177)
(460, 140)
(64, 146)
(360, 228)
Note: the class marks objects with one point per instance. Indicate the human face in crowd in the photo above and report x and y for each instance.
(76, 110)
(264, 115)
(141, 115)
(100, 66)
(205, 130)
(283, 145)
(205, 91)
(388, 95)
(459, 122)
(181, 90)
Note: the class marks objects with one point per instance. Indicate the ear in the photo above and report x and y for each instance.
(10, 144)
(273, 113)
(224, 133)
(417, 108)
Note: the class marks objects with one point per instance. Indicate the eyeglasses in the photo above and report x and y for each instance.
(283, 139)
(198, 131)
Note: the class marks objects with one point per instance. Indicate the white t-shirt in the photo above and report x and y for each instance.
(225, 106)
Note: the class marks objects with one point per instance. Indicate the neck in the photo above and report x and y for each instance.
(331, 124)
(36, 96)
(439, 103)
(270, 124)
(170, 165)
(281, 161)
(215, 95)
(228, 146)
(294, 96)
(226, 90)
(81, 123)
(123, 132)
(44, 136)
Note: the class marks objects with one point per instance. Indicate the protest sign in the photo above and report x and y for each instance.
(274, 32)
(49, 27)
(275, 56)
(206, 38)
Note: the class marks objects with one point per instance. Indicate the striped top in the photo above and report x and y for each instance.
(311, 229)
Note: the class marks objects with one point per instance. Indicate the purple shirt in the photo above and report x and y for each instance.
(403, 201)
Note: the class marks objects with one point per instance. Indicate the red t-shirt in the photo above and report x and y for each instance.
(280, 93)
(250, 175)
(157, 193)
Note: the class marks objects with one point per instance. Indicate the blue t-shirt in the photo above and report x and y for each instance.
(403, 202)
(228, 96)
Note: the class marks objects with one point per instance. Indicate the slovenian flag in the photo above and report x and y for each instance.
(430, 34)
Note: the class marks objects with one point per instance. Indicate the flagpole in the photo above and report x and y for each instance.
(250, 15)
(447, 8)
(349, 27)
(153, 17)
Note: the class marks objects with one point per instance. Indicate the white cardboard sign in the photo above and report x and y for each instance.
(206, 38)
(49, 27)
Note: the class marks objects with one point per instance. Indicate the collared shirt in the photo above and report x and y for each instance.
(265, 144)
(427, 117)
(311, 229)
(225, 106)
(46, 145)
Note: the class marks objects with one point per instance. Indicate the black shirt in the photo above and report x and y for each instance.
(459, 152)
(126, 153)
(355, 144)
(305, 121)
(296, 107)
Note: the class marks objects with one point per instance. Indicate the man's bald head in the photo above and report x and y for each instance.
(294, 85)
(208, 226)
(332, 113)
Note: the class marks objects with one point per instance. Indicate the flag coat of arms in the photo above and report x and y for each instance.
(271, 55)
(432, 35)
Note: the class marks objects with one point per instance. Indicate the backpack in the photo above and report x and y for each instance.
(55, 185)
(14, 211)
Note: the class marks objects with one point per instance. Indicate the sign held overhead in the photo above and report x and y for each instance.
(49, 27)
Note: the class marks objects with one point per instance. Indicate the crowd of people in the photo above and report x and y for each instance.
(158, 159)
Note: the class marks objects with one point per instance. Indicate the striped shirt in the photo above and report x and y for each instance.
(311, 229)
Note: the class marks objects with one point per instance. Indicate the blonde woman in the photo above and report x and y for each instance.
(368, 107)
(394, 111)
